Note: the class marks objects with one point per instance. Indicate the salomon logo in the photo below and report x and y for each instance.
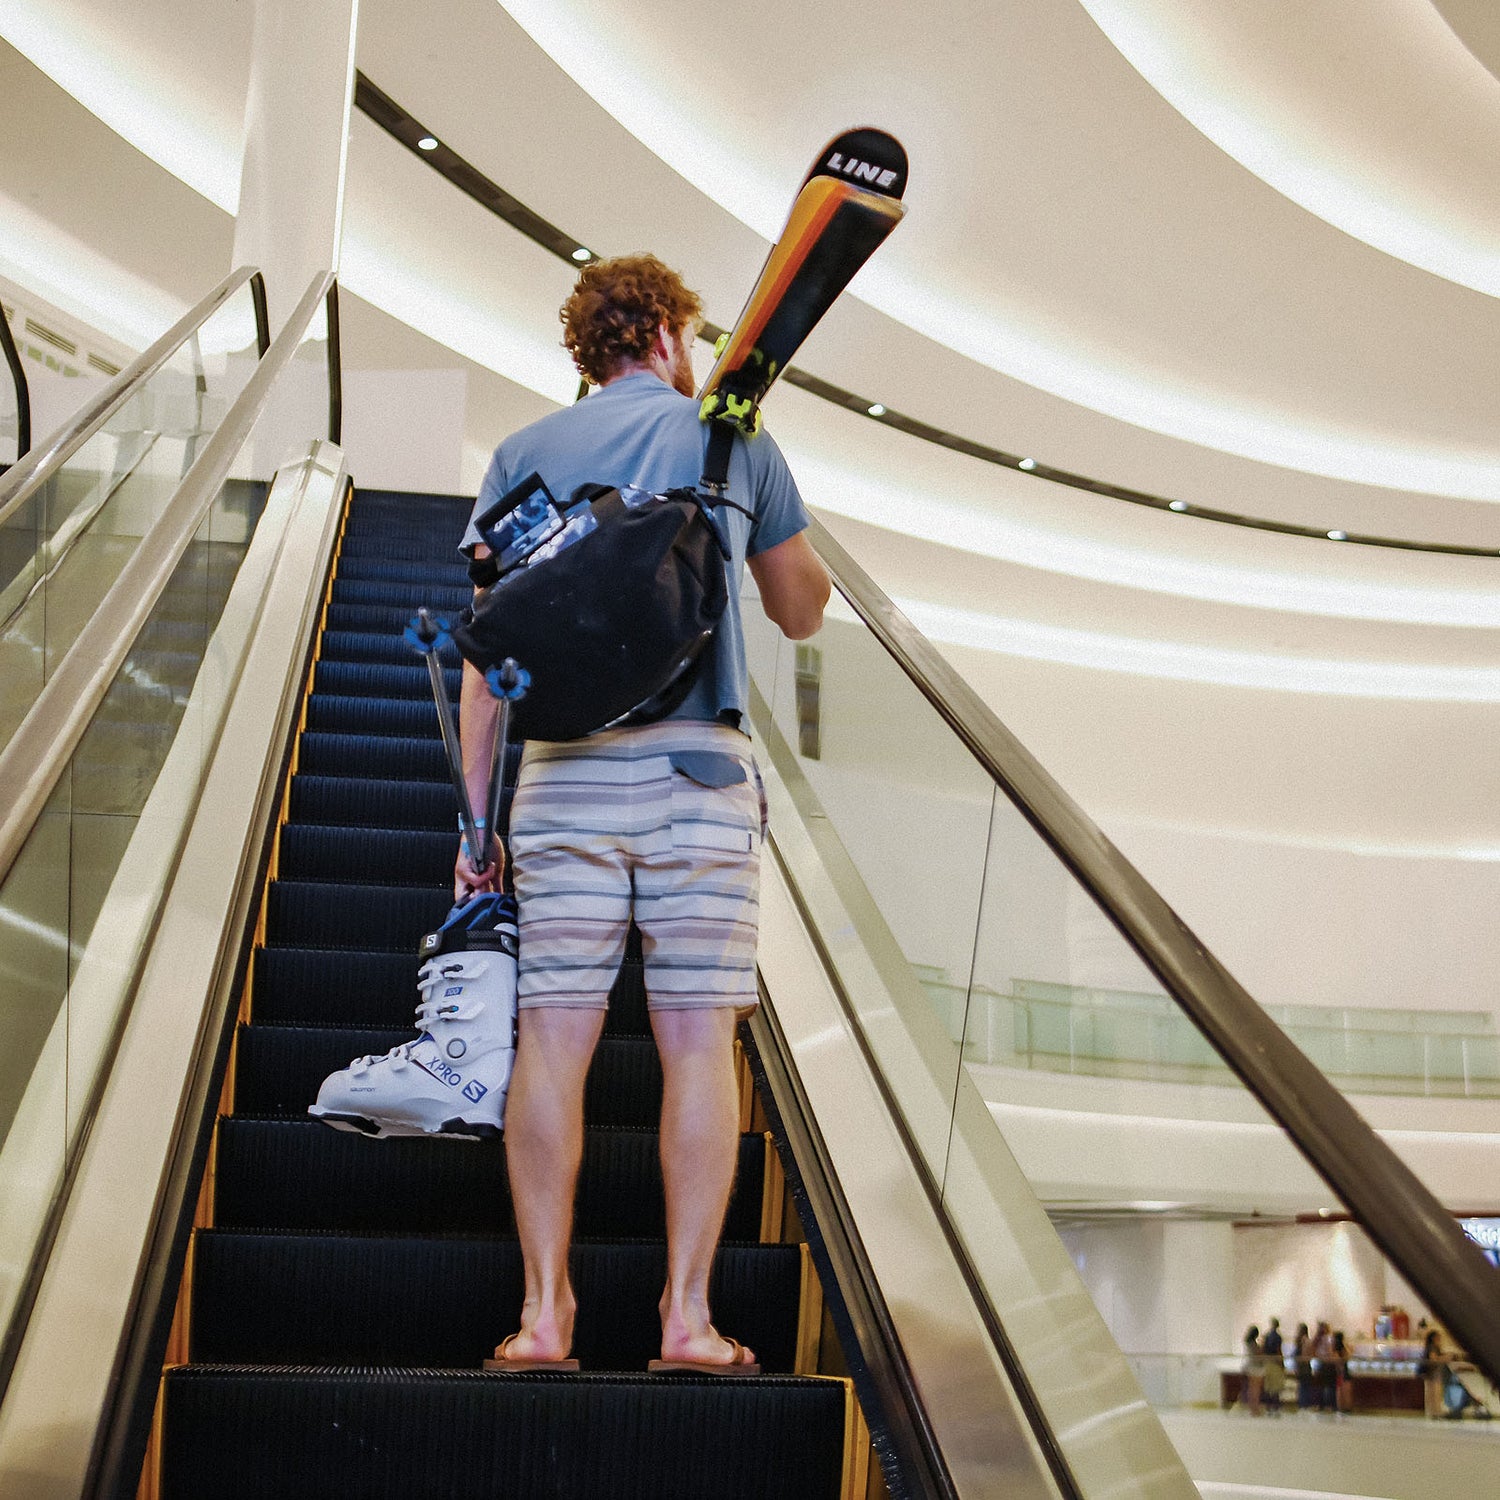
(474, 1091)
(861, 171)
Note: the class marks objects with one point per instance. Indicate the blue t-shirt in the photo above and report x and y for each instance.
(639, 431)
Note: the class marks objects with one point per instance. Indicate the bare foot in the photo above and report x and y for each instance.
(708, 1347)
(542, 1336)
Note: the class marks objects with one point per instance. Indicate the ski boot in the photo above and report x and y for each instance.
(452, 1079)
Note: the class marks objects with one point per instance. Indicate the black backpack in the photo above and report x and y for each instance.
(607, 602)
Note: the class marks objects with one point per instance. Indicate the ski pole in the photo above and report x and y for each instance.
(508, 684)
(427, 635)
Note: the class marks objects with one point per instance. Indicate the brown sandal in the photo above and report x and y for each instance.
(502, 1361)
(737, 1365)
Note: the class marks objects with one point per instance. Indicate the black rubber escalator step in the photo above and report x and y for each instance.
(373, 755)
(375, 680)
(381, 619)
(363, 918)
(353, 801)
(396, 570)
(268, 1298)
(278, 1070)
(279, 1433)
(404, 541)
(322, 987)
(379, 856)
(405, 718)
(379, 646)
(411, 502)
(409, 596)
(294, 1174)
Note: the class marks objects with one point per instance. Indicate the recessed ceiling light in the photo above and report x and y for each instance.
(876, 410)
(1027, 463)
(427, 143)
(1178, 505)
(582, 253)
(1338, 536)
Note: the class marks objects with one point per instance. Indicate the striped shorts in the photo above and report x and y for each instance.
(662, 822)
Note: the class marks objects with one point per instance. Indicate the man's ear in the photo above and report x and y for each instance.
(663, 345)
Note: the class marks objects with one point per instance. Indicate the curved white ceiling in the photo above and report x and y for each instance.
(1065, 231)
(1379, 120)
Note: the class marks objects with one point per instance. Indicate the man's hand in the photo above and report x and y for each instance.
(467, 881)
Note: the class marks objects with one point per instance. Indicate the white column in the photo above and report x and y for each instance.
(296, 145)
(1198, 1287)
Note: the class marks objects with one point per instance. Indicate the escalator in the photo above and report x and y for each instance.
(223, 1297)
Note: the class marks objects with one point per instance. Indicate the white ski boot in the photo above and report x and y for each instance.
(452, 1079)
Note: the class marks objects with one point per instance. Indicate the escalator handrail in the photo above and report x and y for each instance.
(40, 749)
(33, 470)
(1408, 1224)
(22, 385)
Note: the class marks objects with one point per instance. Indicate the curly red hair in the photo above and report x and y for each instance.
(615, 309)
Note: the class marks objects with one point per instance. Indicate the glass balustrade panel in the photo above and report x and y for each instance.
(63, 548)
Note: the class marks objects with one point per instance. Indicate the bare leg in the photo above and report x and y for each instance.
(543, 1151)
(699, 1147)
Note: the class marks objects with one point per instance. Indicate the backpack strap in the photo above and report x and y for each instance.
(715, 481)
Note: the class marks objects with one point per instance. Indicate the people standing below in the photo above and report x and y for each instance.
(1325, 1375)
(1253, 1369)
(1302, 1358)
(1433, 1369)
(1343, 1392)
(1275, 1371)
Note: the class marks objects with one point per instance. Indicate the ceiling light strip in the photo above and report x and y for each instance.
(429, 148)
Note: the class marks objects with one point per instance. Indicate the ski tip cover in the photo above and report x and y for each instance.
(871, 159)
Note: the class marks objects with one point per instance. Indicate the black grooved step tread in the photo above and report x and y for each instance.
(295, 1174)
(328, 914)
(379, 646)
(408, 542)
(381, 619)
(280, 1433)
(385, 757)
(406, 718)
(361, 679)
(393, 570)
(363, 802)
(323, 987)
(381, 856)
(410, 596)
(278, 1070)
(349, 1299)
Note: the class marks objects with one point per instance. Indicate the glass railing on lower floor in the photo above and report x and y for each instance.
(1062, 1028)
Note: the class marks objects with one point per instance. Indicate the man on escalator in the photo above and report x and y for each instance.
(660, 823)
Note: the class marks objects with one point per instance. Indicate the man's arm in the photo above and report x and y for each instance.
(793, 586)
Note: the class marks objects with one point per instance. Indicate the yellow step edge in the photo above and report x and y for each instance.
(773, 1194)
(809, 1317)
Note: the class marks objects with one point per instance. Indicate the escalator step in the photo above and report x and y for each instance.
(373, 680)
(278, 1070)
(383, 918)
(321, 987)
(384, 756)
(395, 570)
(358, 802)
(379, 646)
(408, 597)
(267, 1298)
(408, 542)
(384, 619)
(282, 1433)
(295, 1174)
(310, 851)
(406, 718)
